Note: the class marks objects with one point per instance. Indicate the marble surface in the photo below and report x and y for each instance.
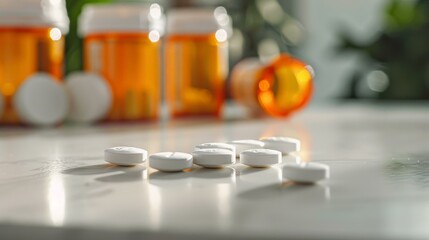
(54, 183)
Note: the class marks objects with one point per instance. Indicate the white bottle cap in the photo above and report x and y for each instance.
(89, 95)
(246, 144)
(282, 144)
(41, 101)
(260, 157)
(34, 13)
(121, 17)
(244, 80)
(216, 145)
(213, 157)
(305, 172)
(197, 21)
(125, 156)
(170, 161)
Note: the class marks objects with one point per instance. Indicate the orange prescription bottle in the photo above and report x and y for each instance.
(31, 41)
(196, 61)
(122, 44)
(278, 88)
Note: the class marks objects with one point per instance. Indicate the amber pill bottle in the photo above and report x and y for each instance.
(277, 88)
(31, 41)
(196, 62)
(122, 44)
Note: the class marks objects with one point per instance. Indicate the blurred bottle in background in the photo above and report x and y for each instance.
(31, 40)
(278, 88)
(122, 44)
(196, 61)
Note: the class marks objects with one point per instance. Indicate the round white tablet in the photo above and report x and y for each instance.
(282, 144)
(41, 101)
(246, 144)
(306, 172)
(1, 104)
(170, 161)
(125, 156)
(260, 157)
(213, 157)
(216, 145)
(90, 97)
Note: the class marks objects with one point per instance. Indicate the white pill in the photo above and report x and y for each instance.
(41, 101)
(306, 172)
(282, 144)
(170, 161)
(90, 97)
(260, 157)
(125, 156)
(216, 145)
(247, 144)
(213, 157)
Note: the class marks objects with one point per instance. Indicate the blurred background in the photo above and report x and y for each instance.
(359, 49)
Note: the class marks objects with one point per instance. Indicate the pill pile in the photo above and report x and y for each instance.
(253, 153)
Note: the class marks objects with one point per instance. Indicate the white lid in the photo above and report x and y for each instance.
(41, 101)
(244, 80)
(34, 13)
(89, 95)
(198, 21)
(129, 17)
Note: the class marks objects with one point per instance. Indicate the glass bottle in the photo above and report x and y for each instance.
(31, 41)
(122, 44)
(196, 61)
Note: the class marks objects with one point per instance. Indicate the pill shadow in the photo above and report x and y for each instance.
(167, 176)
(271, 171)
(249, 170)
(206, 177)
(93, 169)
(130, 175)
(122, 174)
(169, 179)
(288, 191)
(218, 173)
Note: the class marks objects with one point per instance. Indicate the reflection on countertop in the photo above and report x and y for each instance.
(56, 180)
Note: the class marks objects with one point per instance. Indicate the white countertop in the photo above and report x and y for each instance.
(54, 183)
